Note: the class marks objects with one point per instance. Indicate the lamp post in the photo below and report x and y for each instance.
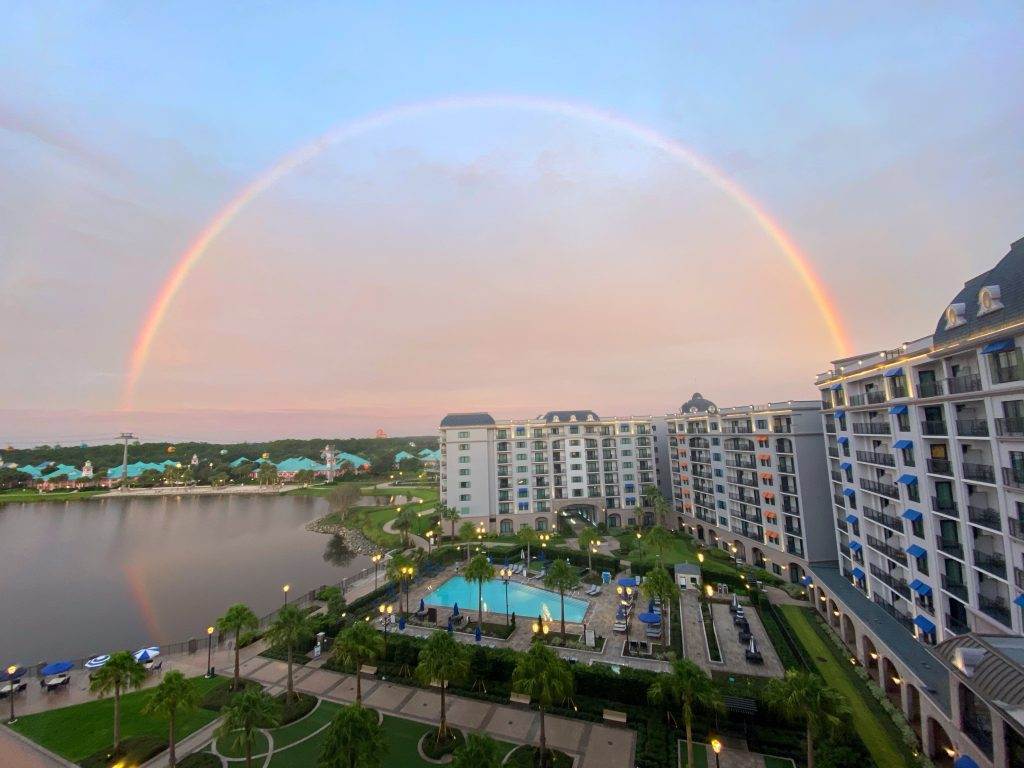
(386, 610)
(506, 574)
(375, 557)
(209, 652)
(716, 746)
(430, 541)
(540, 627)
(11, 670)
(406, 572)
(286, 589)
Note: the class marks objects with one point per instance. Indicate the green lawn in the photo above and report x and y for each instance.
(83, 729)
(230, 748)
(872, 724)
(30, 495)
(677, 550)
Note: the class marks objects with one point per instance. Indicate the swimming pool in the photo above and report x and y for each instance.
(523, 600)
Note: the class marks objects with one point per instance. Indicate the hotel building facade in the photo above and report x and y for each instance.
(526, 472)
(752, 479)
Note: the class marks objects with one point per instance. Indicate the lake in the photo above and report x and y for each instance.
(88, 577)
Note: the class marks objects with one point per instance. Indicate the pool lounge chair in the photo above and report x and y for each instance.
(619, 626)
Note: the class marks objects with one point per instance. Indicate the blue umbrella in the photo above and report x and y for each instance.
(422, 606)
(57, 668)
(627, 581)
(401, 622)
(6, 677)
(650, 618)
(650, 606)
(455, 610)
(450, 628)
(478, 634)
(97, 662)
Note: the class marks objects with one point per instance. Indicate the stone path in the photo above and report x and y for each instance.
(18, 752)
(694, 640)
(734, 653)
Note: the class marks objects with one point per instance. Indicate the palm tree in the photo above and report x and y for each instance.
(266, 474)
(451, 514)
(661, 506)
(685, 686)
(546, 679)
(175, 695)
(404, 522)
(479, 751)
(587, 539)
(561, 577)
(358, 645)
(803, 696)
(527, 537)
(399, 571)
(355, 739)
(480, 571)
(442, 659)
(658, 537)
(244, 715)
(121, 673)
(238, 618)
(290, 628)
(659, 585)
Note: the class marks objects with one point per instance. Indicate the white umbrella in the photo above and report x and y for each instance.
(97, 662)
(147, 654)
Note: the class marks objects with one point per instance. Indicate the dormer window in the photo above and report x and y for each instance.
(989, 300)
(956, 315)
(572, 417)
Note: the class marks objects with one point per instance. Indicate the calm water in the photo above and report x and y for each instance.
(523, 600)
(95, 576)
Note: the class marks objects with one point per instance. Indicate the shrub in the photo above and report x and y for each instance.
(435, 749)
(218, 696)
(298, 706)
(135, 750)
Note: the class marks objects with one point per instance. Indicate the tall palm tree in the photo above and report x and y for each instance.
(244, 715)
(175, 695)
(527, 537)
(354, 739)
(358, 645)
(546, 679)
(658, 584)
(658, 537)
(398, 571)
(686, 686)
(561, 577)
(451, 514)
(587, 539)
(804, 696)
(238, 618)
(656, 500)
(479, 751)
(291, 627)
(121, 673)
(479, 571)
(442, 659)
(403, 522)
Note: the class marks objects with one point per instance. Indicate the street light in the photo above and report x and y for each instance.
(716, 745)
(386, 609)
(430, 541)
(12, 687)
(375, 557)
(506, 574)
(285, 589)
(209, 652)
(700, 557)
(540, 628)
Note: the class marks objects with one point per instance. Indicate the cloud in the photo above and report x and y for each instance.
(55, 137)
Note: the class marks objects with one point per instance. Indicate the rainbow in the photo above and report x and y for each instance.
(179, 274)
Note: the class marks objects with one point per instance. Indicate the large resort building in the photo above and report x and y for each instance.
(525, 472)
(752, 478)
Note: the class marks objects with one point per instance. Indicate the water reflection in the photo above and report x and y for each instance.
(337, 552)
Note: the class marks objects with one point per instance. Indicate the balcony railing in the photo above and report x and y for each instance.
(955, 587)
(950, 547)
(945, 506)
(1015, 528)
(930, 389)
(983, 473)
(1018, 577)
(940, 467)
(833, 452)
(986, 516)
(899, 585)
(839, 499)
(957, 626)
(996, 607)
(738, 429)
(972, 427)
(874, 457)
(933, 427)
(993, 563)
(842, 525)
(885, 489)
(1011, 428)
(1013, 476)
(744, 462)
(889, 521)
(905, 619)
(871, 428)
(970, 382)
(1004, 374)
(892, 552)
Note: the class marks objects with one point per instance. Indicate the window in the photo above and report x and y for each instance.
(903, 422)
(1006, 366)
(463, 435)
(464, 472)
(463, 510)
(922, 564)
(520, 431)
(463, 446)
(463, 459)
(465, 497)
(762, 424)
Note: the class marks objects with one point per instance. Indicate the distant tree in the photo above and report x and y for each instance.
(236, 620)
(176, 695)
(451, 514)
(354, 739)
(335, 600)
(587, 539)
(561, 577)
(304, 477)
(480, 571)
(661, 507)
(659, 585)
(121, 673)
(657, 538)
(410, 466)
(527, 537)
(289, 629)
(244, 716)
(404, 522)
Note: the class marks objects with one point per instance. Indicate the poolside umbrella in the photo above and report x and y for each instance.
(57, 668)
(752, 648)
(97, 662)
(650, 606)
(650, 618)
(455, 609)
(6, 677)
(146, 654)
(451, 629)
(401, 623)
(735, 601)
(478, 634)
(627, 581)
(423, 608)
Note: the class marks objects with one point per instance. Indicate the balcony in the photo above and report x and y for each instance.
(738, 429)
(793, 530)
(940, 467)
(972, 427)
(905, 619)
(744, 462)
(996, 607)
(899, 585)
(983, 473)
(836, 475)
(947, 507)
(950, 547)
(749, 482)
(930, 389)
(957, 626)
(871, 428)
(993, 563)
(1004, 374)
(986, 516)
(839, 499)
(1015, 528)
(968, 383)
(1013, 477)
(933, 428)
(885, 489)
(833, 452)
(889, 521)
(842, 525)
(753, 535)
(1018, 577)
(873, 457)
(891, 552)
(955, 587)
(1012, 428)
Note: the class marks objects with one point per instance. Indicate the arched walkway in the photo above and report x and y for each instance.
(941, 745)
(913, 712)
(891, 682)
(849, 631)
(833, 614)
(869, 657)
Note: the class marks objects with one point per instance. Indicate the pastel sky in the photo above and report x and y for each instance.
(497, 259)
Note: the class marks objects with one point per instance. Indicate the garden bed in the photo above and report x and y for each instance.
(435, 750)
(527, 756)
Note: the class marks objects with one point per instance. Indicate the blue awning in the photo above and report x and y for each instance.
(912, 515)
(836, 387)
(920, 587)
(925, 624)
(965, 761)
(1019, 600)
(915, 550)
(900, 445)
(843, 440)
(893, 372)
(849, 492)
(840, 413)
(856, 546)
(858, 573)
(1003, 345)
(907, 479)
(805, 580)
(851, 519)
(896, 410)
(846, 465)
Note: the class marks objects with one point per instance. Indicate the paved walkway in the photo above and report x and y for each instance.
(18, 752)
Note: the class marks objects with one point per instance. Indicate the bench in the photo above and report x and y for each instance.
(366, 669)
(614, 716)
(519, 698)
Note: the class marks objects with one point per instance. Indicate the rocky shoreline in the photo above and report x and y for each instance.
(353, 538)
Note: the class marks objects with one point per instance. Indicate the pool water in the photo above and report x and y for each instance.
(523, 600)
